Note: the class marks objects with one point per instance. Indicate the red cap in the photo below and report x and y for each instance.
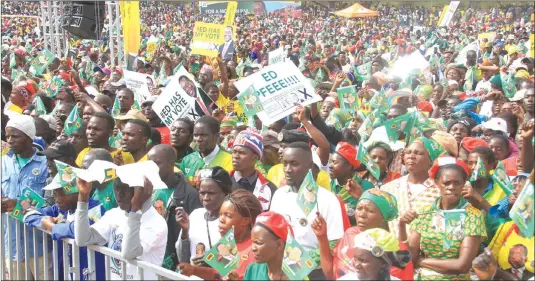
(469, 143)
(445, 160)
(276, 223)
(349, 153)
(425, 106)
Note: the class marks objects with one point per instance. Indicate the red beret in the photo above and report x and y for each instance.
(445, 160)
(469, 143)
(425, 106)
(349, 153)
(276, 223)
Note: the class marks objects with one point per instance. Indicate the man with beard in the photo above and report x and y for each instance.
(99, 129)
(154, 120)
(136, 134)
(181, 137)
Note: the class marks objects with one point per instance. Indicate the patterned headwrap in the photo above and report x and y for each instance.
(432, 146)
(386, 203)
(384, 245)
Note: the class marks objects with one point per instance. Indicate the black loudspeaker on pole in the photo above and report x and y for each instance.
(84, 19)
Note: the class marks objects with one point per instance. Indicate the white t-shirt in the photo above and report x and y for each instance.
(284, 203)
(354, 276)
(152, 235)
(198, 232)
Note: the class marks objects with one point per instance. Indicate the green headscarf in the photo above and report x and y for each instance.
(386, 203)
(432, 146)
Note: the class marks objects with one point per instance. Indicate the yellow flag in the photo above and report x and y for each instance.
(444, 11)
(231, 12)
(131, 26)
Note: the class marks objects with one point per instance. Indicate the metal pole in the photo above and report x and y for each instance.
(110, 34)
(46, 257)
(18, 248)
(35, 255)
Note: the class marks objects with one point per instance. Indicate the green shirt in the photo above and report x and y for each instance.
(105, 196)
(22, 161)
(256, 271)
(194, 162)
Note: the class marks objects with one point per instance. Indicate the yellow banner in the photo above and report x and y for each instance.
(444, 11)
(231, 13)
(131, 26)
(489, 35)
(207, 37)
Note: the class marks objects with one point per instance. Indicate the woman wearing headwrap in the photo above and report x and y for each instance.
(460, 128)
(415, 190)
(239, 211)
(268, 242)
(20, 97)
(374, 209)
(449, 240)
(214, 185)
(375, 252)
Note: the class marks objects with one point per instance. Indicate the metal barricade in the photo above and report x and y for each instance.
(70, 271)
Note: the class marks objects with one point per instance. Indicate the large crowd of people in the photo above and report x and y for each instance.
(424, 172)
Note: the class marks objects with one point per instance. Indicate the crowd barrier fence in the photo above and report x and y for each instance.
(70, 271)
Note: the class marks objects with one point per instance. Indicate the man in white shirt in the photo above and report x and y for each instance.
(297, 160)
(134, 228)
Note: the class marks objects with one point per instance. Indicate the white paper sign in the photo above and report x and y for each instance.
(139, 83)
(174, 103)
(279, 87)
(404, 65)
(133, 174)
(276, 56)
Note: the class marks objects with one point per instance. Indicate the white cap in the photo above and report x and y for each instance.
(54, 184)
(496, 124)
(511, 37)
(23, 123)
(519, 95)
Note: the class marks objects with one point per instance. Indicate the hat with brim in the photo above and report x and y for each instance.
(60, 148)
(132, 114)
(150, 99)
(519, 95)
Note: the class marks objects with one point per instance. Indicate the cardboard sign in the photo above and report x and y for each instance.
(279, 87)
(141, 84)
(28, 201)
(206, 39)
(174, 103)
(276, 56)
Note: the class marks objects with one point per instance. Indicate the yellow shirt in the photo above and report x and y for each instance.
(143, 159)
(276, 176)
(224, 102)
(127, 157)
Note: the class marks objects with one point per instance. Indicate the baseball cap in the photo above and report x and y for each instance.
(271, 139)
(104, 70)
(519, 95)
(58, 149)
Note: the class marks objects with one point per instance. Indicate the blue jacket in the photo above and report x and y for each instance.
(66, 230)
(14, 179)
(467, 104)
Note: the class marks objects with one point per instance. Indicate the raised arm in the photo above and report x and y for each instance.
(83, 233)
(317, 136)
(527, 146)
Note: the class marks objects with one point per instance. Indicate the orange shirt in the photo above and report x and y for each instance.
(247, 257)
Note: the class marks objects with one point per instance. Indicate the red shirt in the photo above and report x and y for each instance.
(164, 131)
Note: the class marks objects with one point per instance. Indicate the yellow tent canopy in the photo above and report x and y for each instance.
(356, 11)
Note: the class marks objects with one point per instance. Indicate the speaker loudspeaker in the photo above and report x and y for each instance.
(84, 19)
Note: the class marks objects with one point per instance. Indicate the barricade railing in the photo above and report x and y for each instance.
(71, 270)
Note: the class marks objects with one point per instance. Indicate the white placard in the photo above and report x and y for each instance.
(279, 87)
(139, 83)
(449, 13)
(276, 56)
(174, 103)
